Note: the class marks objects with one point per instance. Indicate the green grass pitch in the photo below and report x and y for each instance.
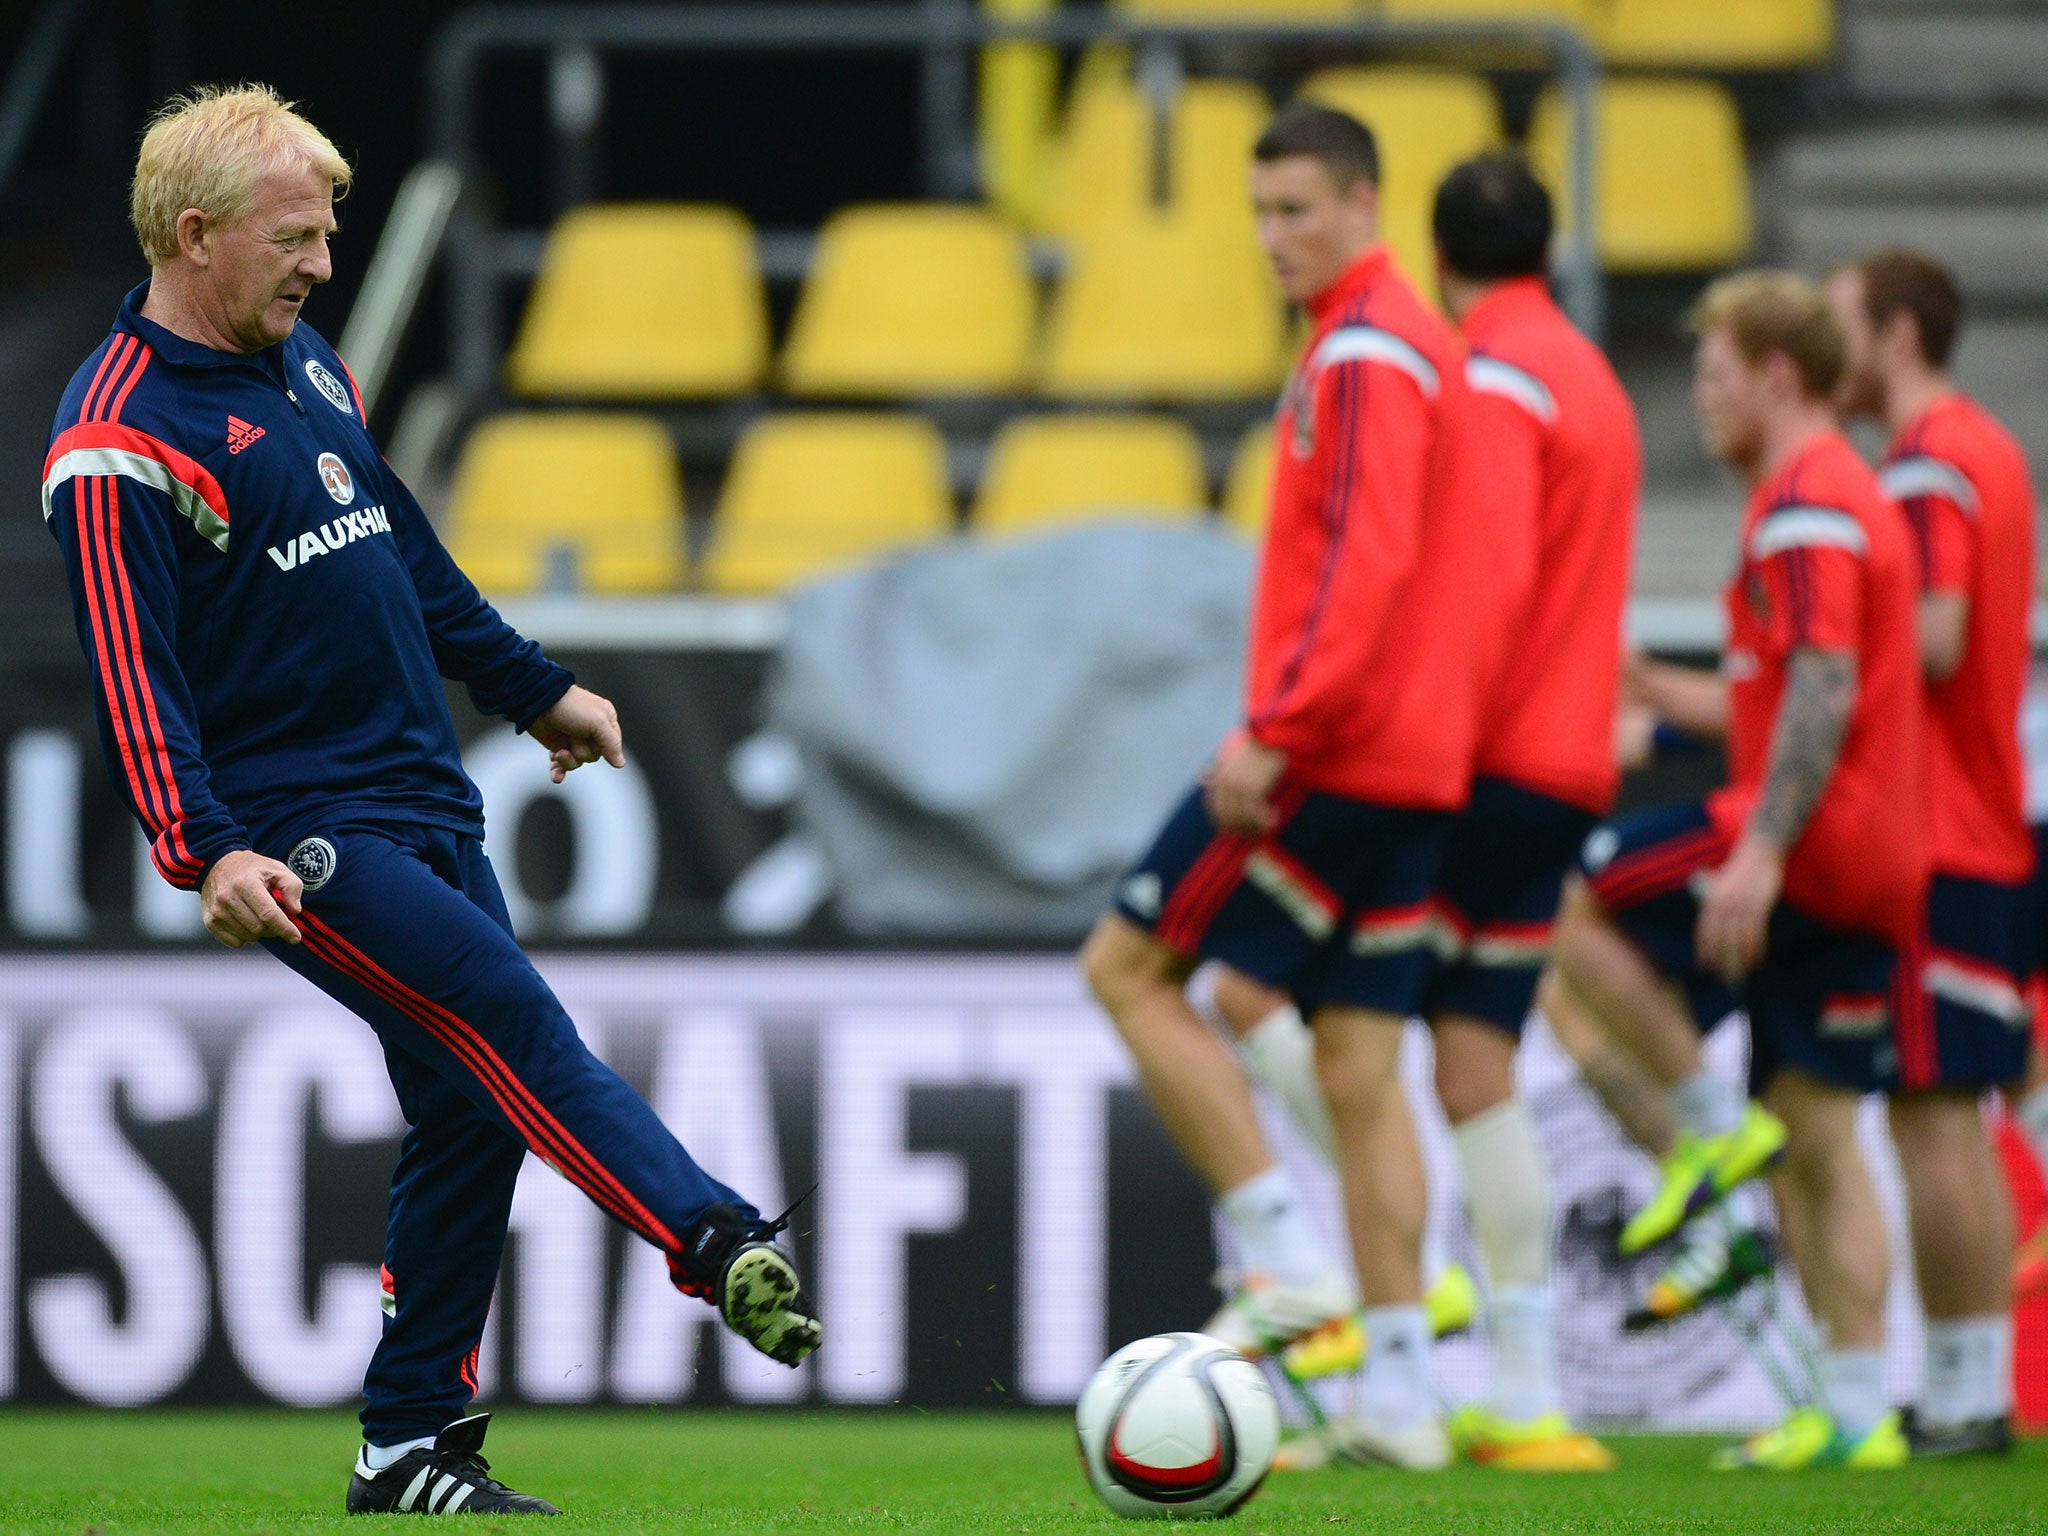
(670, 1470)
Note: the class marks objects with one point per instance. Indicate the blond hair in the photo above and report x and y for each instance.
(1771, 311)
(208, 148)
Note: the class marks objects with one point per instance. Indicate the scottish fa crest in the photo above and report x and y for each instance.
(328, 385)
(313, 862)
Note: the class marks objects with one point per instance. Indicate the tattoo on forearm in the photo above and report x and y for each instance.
(1819, 695)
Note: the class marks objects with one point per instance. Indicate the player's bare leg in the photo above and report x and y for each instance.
(1835, 1233)
(1626, 1090)
(1385, 1203)
(2030, 1113)
(1717, 1252)
(1274, 1044)
(1722, 1140)
(1201, 1096)
(1961, 1220)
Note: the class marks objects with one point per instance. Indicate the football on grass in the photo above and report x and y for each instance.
(1177, 1426)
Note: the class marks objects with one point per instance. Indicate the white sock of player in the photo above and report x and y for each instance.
(1280, 1055)
(1966, 1369)
(1707, 1105)
(1852, 1384)
(1395, 1390)
(1272, 1228)
(1508, 1197)
(378, 1457)
(2031, 1111)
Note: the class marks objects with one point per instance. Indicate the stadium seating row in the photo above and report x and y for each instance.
(807, 491)
(1159, 298)
(1700, 34)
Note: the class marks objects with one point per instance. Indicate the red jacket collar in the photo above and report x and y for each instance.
(1356, 278)
(1504, 298)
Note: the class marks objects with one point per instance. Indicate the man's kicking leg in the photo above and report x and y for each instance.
(412, 935)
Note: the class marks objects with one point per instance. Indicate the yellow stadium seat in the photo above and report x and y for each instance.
(1726, 34)
(811, 491)
(1045, 470)
(645, 301)
(1673, 183)
(602, 488)
(1164, 310)
(908, 300)
(1426, 121)
(1247, 494)
(1104, 173)
(1240, 10)
(1581, 12)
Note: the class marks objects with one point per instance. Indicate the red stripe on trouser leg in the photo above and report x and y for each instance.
(502, 1086)
(549, 1135)
(529, 1127)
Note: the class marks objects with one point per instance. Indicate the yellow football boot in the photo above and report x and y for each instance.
(1338, 1347)
(1700, 1170)
(1546, 1443)
(1809, 1439)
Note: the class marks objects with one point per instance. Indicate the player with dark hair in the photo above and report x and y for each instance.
(1563, 468)
(1790, 890)
(1962, 1024)
(268, 617)
(1307, 856)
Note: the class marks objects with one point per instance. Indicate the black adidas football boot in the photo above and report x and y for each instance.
(445, 1478)
(732, 1261)
(1973, 1437)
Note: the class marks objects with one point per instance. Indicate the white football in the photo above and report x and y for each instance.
(1177, 1427)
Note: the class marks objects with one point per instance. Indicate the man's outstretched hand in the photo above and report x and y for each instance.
(247, 897)
(580, 728)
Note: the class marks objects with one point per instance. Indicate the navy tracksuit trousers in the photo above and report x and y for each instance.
(410, 931)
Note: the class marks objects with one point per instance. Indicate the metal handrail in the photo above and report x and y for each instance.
(398, 273)
(940, 30)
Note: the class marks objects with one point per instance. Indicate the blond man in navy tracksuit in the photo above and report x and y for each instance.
(267, 616)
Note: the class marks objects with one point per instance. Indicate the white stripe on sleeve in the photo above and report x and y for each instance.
(1370, 344)
(1807, 528)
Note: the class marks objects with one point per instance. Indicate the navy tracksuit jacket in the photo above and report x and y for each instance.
(267, 616)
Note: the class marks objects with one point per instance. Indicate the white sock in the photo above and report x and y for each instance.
(1707, 1105)
(1741, 1209)
(1280, 1055)
(1966, 1370)
(378, 1457)
(1507, 1194)
(1267, 1216)
(1395, 1390)
(1524, 1352)
(1852, 1383)
(2031, 1111)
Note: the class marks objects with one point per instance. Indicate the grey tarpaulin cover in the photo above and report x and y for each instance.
(992, 729)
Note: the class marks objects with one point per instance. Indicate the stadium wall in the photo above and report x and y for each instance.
(194, 1150)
